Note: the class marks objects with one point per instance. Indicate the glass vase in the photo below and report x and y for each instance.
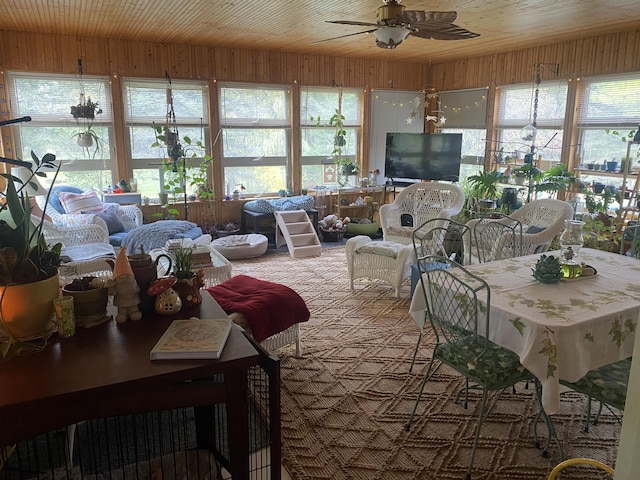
(572, 236)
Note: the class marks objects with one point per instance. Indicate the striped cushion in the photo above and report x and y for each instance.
(87, 202)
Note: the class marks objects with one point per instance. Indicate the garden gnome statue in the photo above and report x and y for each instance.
(124, 289)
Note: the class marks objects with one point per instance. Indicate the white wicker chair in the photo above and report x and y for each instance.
(72, 235)
(130, 215)
(381, 262)
(415, 205)
(541, 220)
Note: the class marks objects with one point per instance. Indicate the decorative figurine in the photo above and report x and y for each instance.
(124, 289)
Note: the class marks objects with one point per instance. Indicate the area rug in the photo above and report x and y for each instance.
(345, 403)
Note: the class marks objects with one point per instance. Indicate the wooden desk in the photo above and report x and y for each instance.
(563, 330)
(105, 370)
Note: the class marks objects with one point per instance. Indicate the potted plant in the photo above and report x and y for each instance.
(89, 300)
(344, 166)
(483, 186)
(28, 266)
(189, 282)
(179, 174)
(84, 114)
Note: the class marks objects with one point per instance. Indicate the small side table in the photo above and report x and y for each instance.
(215, 272)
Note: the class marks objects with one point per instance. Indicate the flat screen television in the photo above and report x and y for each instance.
(423, 156)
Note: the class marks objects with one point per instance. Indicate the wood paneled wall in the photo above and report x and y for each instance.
(601, 55)
(59, 53)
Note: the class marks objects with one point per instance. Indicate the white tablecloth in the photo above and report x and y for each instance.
(562, 330)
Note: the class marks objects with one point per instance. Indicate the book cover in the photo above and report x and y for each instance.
(193, 338)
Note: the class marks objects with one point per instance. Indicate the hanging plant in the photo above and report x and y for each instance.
(86, 109)
(85, 113)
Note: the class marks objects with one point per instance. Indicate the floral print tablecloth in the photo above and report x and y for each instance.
(562, 330)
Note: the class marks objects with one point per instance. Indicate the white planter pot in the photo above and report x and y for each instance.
(85, 140)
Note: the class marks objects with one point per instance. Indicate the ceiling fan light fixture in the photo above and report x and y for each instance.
(391, 37)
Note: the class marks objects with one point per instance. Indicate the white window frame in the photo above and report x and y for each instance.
(229, 121)
(619, 116)
(351, 110)
(151, 158)
(54, 111)
(549, 119)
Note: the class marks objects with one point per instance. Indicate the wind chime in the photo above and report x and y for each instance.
(174, 148)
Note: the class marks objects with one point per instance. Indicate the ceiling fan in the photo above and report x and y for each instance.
(394, 24)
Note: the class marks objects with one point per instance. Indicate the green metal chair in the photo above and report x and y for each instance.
(607, 384)
(441, 237)
(458, 305)
(495, 237)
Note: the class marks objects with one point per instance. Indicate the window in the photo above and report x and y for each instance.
(609, 104)
(465, 111)
(48, 99)
(516, 110)
(317, 106)
(256, 129)
(146, 105)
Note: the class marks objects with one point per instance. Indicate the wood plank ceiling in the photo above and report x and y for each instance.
(292, 25)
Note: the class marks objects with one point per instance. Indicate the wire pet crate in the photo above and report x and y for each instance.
(186, 443)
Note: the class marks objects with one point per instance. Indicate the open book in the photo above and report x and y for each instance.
(194, 338)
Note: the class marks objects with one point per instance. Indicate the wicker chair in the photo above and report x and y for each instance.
(540, 222)
(415, 205)
(130, 215)
(389, 262)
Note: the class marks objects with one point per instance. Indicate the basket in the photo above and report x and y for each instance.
(333, 235)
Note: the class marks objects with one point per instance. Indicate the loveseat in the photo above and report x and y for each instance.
(70, 206)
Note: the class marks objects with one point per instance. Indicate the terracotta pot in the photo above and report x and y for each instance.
(27, 309)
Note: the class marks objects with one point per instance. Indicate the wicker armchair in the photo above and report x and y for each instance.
(72, 235)
(540, 221)
(130, 215)
(415, 205)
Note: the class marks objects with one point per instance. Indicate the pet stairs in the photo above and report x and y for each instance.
(294, 228)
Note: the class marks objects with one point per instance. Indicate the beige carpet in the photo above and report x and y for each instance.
(344, 405)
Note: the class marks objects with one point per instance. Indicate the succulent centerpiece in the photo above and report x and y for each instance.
(548, 269)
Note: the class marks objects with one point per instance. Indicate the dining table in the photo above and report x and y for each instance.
(560, 331)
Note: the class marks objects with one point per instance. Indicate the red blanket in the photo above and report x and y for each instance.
(267, 307)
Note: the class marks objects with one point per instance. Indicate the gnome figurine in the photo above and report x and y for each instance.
(124, 289)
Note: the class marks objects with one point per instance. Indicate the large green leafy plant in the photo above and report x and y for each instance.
(24, 254)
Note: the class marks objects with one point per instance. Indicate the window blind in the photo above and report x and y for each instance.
(612, 100)
(464, 108)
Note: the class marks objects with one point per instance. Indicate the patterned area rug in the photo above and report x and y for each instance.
(345, 403)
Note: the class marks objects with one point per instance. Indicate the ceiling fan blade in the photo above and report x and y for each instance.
(343, 36)
(442, 32)
(420, 16)
(350, 22)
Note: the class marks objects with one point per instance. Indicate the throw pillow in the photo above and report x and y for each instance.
(87, 202)
(54, 198)
(112, 219)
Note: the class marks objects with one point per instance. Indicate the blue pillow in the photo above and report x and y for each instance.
(112, 219)
(54, 200)
(260, 206)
